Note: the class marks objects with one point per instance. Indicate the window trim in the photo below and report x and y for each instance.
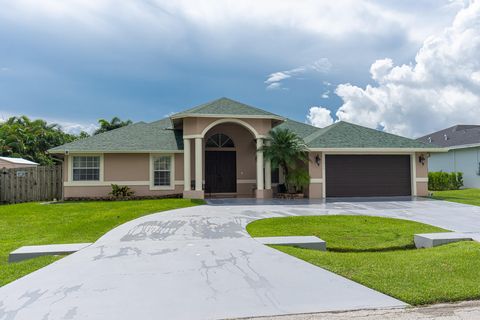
(172, 171)
(84, 182)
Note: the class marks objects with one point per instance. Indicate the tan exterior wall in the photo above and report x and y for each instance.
(127, 167)
(315, 189)
(421, 172)
(131, 169)
(102, 191)
(196, 126)
(9, 165)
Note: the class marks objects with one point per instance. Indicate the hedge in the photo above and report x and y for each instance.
(438, 181)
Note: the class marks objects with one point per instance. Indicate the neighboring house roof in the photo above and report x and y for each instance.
(160, 136)
(226, 107)
(456, 136)
(18, 160)
(348, 135)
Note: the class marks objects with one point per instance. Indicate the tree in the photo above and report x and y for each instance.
(115, 123)
(22, 137)
(286, 150)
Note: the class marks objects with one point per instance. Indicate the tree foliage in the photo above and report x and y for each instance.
(30, 139)
(115, 123)
(286, 150)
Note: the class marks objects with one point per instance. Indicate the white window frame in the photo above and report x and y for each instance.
(172, 171)
(85, 182)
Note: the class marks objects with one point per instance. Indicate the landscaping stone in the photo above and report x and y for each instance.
(306, 242)
(430, 240)
(29, 252)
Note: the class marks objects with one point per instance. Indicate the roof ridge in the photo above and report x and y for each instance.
(203, 105)
(320, 132)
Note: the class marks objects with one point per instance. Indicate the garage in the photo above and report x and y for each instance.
(367, 175)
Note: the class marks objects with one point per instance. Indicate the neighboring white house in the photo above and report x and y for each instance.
(7, 162)
(463, 143)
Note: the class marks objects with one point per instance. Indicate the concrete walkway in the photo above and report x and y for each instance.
(199, 263)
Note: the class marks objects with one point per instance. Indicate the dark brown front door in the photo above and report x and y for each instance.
(367, 175)
(220, 171)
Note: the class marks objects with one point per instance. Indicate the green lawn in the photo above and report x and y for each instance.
(71, 222)
(378, 252)
(466, 196)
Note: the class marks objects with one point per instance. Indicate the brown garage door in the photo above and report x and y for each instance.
(367, 175)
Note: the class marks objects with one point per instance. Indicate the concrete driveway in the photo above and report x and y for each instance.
(199, 263)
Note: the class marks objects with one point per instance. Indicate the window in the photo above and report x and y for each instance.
(219, 140)
(86, 168)
(162, 171)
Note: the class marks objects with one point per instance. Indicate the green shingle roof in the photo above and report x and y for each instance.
(225, 106)
(160, 136)
(301, 129)
(348, 135)
(141, 136)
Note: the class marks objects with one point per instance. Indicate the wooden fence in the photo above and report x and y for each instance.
(30, 184)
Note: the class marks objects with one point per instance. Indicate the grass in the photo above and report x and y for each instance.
(35, 224)
(384, 258)
(466, 196)
(345, 233)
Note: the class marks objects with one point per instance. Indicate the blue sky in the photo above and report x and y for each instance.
(74, 62)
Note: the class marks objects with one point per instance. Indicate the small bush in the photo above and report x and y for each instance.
(121, 191)
(440, 181)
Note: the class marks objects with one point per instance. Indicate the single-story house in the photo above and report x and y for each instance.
(11, 163)
(212, 150)
(463, 145)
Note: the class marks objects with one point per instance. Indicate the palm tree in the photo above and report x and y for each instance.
(115, 123)
(286, 150)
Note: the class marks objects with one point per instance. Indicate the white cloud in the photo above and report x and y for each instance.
(274, 80)
(441, 88)
(325, 95)
(319, 117)
(76, 128)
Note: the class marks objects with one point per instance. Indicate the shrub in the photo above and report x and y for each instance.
(439, 181)
(298, 179)
(121, 191)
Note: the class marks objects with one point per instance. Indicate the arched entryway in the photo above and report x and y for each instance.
(220, 164)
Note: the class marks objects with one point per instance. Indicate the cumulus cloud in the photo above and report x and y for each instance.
(319, 117)
(441, 87)
(274, 80)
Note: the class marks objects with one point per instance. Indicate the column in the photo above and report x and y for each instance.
(186, 165)
(259, 164)
(198, 164)
(268, 172)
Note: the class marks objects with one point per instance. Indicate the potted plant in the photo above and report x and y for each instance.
(287, 151)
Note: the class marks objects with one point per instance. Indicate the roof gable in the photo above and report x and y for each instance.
(226, 107)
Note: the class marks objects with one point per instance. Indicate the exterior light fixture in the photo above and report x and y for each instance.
(317, 160)
(421, 159)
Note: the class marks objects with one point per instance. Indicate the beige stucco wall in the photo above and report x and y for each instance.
(315, 189)
(421, 172)
(196, 126)
(127, 167)
(133, 168)
(102, 191)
